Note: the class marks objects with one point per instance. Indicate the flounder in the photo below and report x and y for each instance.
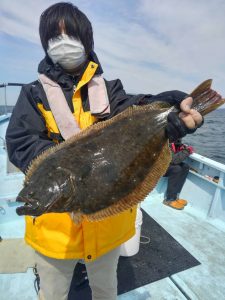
(109, 167)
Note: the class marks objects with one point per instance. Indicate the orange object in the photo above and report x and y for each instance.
(174, 204)
(182, 201)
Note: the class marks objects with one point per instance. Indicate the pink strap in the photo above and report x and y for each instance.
(68, 126)
(64, 118)
(98, 96)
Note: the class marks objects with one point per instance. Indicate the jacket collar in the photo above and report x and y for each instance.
(65, 80)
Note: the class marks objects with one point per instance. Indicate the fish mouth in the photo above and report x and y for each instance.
(30, 207)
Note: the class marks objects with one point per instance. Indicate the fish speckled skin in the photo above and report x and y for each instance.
(108, 167)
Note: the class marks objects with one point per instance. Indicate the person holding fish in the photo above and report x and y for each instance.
(69, 96)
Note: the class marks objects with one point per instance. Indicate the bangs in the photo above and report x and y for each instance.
(68, 17)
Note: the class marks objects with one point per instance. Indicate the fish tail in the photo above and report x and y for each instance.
(206, 99)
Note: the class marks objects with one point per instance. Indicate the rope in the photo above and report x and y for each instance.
(36, 280)
(146, 238)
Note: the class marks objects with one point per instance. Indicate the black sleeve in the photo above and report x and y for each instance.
(171, 97)
(180, 156)
(26, 135)
(120, 100)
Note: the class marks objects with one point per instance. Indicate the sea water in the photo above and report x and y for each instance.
(209, 140)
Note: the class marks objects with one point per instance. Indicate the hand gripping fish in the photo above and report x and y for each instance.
(109, 167)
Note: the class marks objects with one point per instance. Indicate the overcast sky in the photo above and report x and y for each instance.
(151, 45)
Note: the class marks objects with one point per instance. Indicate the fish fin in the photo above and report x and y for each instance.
(201, 88)
(36, 162)
(141, 192)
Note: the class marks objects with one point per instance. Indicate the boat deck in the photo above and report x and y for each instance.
(197, 235)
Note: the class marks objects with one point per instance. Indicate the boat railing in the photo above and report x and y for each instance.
(3, 142)
(4, 106)
(204, 188)
(5, 113)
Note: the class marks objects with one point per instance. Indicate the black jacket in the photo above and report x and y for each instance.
(27, 135)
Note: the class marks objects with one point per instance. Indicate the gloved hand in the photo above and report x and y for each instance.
(186, 122)
(175, 128)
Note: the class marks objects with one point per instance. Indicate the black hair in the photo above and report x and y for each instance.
(74, 22)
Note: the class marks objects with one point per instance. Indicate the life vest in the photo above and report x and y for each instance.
(55, 234)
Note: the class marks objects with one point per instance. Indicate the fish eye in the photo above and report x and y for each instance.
(31, 193)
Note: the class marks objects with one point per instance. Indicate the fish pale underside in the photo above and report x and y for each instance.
(109, 167)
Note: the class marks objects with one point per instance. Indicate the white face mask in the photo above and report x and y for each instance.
(69, 53)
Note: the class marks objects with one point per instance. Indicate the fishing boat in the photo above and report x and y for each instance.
(199, 229)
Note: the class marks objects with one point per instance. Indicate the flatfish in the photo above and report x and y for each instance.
(109, 167)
